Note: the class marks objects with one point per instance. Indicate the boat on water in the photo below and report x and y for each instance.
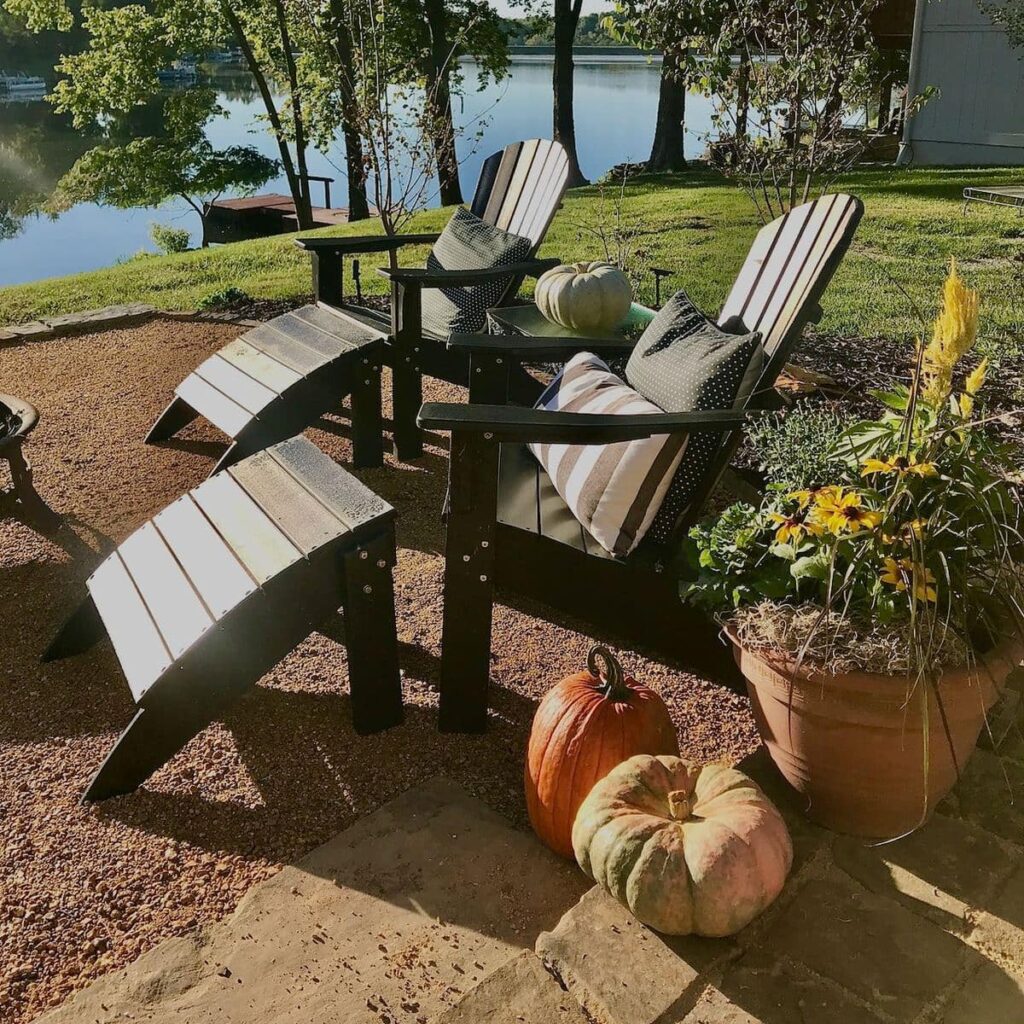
(17, 83)
(179, 73)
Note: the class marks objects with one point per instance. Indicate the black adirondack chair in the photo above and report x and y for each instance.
(284, 375)
(520, 190)
(508, 526)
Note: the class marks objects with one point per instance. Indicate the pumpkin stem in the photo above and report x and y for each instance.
(612, 676)
(679, 805)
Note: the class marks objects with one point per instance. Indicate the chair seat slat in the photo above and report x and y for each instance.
(270, 372)
(217, 407)
(212, 566)
(227, 378)
(327, 345)
(306, 521)
(295, 356)
(259, 544)
(173, 603)
(137, 642)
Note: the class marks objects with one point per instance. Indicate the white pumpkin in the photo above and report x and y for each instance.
(685, 849)
(584, 296)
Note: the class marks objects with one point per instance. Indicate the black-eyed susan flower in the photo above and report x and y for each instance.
(901, 465)
(907, 533)
(794, 527)
(906, 575)
(812, 495)
(843, 511)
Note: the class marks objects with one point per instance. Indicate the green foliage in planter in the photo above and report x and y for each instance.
(800, 448)
(918, 525)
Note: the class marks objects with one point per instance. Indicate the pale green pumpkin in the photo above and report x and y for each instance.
(584, 296)
(687, 850)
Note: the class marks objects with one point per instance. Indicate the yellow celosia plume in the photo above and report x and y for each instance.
(953, 335)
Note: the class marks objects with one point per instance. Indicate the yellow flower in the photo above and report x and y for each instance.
(966, 405)
(812, 495)
(954, 333)
(976, 378)
(898, 464)
(905, 574)
(794, 527)
(843, 512)
(907, 533)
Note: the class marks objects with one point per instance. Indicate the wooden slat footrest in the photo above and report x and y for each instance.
(206, 597)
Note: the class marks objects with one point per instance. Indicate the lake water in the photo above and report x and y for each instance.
(615, 106)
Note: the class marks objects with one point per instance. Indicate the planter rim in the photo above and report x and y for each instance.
(1008, 652)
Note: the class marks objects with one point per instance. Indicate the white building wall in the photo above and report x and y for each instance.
(979, 116)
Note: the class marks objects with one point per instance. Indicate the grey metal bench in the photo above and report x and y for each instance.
(278, 378)
(206, 597)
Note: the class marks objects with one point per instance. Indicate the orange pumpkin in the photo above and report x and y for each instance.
(585, 726)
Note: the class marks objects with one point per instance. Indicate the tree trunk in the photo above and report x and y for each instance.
(885, 103)
(567, 16)
(439, 94)
(355, 168)
(295, 183)
(742, 95)
(667, 149)
(355, 171)
(304, 205)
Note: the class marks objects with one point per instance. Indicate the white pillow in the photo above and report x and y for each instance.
(614, 490)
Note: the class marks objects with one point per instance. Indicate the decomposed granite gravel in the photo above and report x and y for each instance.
(86, 889)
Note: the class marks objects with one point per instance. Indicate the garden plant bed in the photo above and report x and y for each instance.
(86, 890)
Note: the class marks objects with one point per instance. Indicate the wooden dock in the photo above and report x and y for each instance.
(233, 220)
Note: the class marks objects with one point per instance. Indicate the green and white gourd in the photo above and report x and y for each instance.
(584, 296)
(686, 849)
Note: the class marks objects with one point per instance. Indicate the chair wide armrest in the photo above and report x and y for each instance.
(425, 278)
(512, 423)
(528, 349)
(357, 244)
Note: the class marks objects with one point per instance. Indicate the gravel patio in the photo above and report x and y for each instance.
(86, 890)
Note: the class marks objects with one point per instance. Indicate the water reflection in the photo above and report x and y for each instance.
(615, 110)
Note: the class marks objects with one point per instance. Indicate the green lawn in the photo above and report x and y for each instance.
(694, 223)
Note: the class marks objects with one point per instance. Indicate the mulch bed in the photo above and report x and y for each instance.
(86, 890)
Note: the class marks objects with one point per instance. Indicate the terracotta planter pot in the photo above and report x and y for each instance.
(853, 746)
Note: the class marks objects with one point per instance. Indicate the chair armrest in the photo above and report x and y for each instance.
(535, 349)
(511, 423)
(364, 243)
(425, 278)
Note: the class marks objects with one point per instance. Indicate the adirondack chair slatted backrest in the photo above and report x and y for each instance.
(788, 267)
(777, 292)
(521, 188)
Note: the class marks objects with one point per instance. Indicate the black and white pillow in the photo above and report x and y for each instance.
(614, 490)
(684, 362)
(467, 243)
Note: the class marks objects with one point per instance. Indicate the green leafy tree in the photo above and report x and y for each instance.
(180, 162)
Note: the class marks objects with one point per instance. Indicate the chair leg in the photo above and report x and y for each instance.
(468, 585)
(371, 636)
(152, 738)
(235, 453)
(367, 422)
(177, 415)
(406, 399)
(83, 629)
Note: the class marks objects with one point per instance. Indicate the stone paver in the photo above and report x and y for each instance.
(870, 945)
(33, 329)
(941, 870)
(991, 996)
(520, 991)
(778, 994)
(991, 795)
(394, 919)
(71, 323)
(620, 971)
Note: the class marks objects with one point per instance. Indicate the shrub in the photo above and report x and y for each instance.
(224, 299)
(800, 448)
(168, 239)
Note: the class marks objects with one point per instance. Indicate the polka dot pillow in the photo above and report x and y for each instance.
(684, 362)
(467, 243)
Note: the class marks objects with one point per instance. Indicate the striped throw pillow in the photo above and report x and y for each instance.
(614, 490)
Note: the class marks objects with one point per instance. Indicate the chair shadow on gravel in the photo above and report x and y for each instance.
(300, 751)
